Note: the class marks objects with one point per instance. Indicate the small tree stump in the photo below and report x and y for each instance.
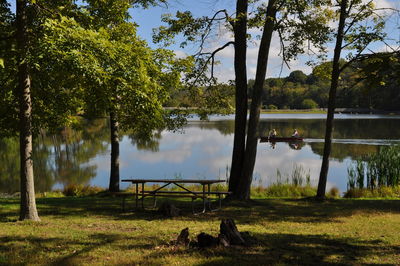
(183, 238)
(169, 210)
(229, 229)
(205, 240)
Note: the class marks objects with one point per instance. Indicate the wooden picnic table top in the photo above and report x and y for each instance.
(188, 181)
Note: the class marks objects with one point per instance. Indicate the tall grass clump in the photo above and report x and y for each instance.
(77, 190)
(296, 184)
(380, 170)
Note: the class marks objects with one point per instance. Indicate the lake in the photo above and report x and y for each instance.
(202, 149)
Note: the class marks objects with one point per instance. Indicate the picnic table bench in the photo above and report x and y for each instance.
(206, 195)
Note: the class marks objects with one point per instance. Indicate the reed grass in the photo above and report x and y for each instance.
(379, 170)
(380, 192)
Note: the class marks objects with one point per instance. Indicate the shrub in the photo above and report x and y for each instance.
(309, 104)
(272, 107)
(81, 190)
(334, 192)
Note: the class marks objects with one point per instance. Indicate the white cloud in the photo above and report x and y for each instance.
(180, 54)
(382, 3)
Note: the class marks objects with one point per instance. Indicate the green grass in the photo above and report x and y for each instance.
(94, 231)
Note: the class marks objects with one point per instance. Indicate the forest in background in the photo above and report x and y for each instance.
(371, 83)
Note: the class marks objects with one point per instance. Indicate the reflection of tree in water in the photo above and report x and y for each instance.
(73, 150)
(342, 151)
(344, 128)
(315, 128)
(58, 158)
(9, 165)
(225, 127)
(145, 143)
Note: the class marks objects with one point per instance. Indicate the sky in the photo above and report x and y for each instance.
(147, 19)
(151, 18)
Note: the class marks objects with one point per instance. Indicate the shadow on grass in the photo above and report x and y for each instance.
(59, 251)
(307, 211)
(289, 249)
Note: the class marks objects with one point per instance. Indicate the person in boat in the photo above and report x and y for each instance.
(272, 133)
(295, 134)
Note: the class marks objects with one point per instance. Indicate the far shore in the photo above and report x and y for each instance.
(309, 111)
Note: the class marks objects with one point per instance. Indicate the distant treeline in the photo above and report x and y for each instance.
(372, 82)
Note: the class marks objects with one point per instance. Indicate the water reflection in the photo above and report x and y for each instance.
(59, 159)
(202, 151)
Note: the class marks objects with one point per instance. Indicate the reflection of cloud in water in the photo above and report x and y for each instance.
(218, 165)
(176, 148)
(284, 159)
(103, 162)
(171, 156)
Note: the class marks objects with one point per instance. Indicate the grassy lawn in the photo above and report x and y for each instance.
(93, 231)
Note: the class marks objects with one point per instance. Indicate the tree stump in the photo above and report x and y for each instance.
(183, 238)
(229, 229)
(169, 210)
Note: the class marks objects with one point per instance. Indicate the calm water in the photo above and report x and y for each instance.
(201, 150)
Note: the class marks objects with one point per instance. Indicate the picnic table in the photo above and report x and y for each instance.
(205, 194)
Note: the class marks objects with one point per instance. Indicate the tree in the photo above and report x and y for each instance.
(239, 145)
(122, 76)
(297, 76)
(28, 209)
(72, 67)
(26, 105)
(355, 36)
(289, 29)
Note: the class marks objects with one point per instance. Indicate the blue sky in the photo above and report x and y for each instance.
(151, 18)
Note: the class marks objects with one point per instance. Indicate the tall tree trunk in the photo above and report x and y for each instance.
(252, 137)
(240, 32)
(114, 173)
(323, 177)
(28, 209)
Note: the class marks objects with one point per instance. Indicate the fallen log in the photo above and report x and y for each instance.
(205, 240)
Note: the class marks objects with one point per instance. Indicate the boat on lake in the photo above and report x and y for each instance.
(280, 139)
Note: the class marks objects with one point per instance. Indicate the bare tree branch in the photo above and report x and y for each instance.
(212, 59)
(210, 21)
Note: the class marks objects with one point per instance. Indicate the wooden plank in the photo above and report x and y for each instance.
(179, 181)
(186, 192)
